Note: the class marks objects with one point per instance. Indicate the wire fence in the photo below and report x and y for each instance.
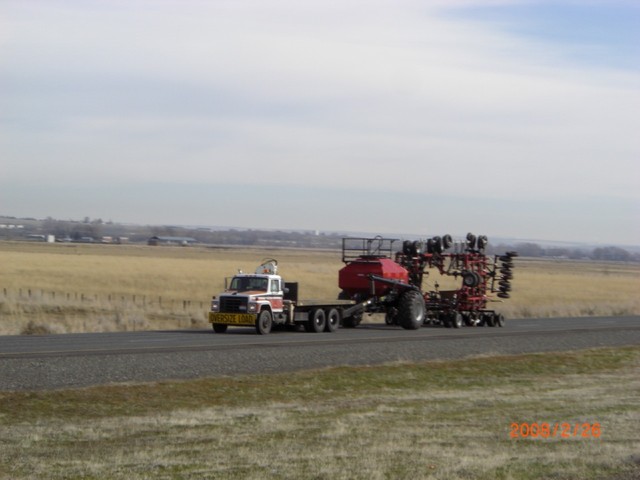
(116, 299)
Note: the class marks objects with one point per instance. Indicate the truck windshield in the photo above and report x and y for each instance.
(243, 284)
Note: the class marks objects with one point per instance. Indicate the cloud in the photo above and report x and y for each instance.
(405, 97)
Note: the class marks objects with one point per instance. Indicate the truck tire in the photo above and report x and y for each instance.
(264, 322)
(412, 310)
(500, 320)
(219, 328)
(317, 321)
(333, 320)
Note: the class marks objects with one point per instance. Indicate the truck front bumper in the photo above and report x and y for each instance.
(246, 319)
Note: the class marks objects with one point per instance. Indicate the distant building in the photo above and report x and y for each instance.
(183, 241)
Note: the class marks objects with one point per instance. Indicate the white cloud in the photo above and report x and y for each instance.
(383, 95)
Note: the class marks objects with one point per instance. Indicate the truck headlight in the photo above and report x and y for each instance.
(215, 305)
(253, 307)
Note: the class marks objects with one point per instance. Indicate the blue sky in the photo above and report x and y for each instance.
(507, 118)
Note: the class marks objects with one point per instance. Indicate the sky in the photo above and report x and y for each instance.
(506, 118)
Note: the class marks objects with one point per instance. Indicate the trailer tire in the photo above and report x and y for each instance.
(500, 320)
(333, 320)
(412, 310)
(317, 321)
(219, 328)
(264, 322)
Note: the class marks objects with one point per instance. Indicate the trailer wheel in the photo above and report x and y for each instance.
(456, 319)
(411, 311)
(219, 328)
(333, 320)
(500, 320)
(317, 321)
(490, 319)
(264, 322)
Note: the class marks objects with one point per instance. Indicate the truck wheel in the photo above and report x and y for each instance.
(219, 328)
(264, 322)
(333, 320)
(500, 320)
(411, 311)
(456, 319)
(317, 321)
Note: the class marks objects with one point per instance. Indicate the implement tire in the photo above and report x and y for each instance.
(352, 322)
(456, 319)
(411, 310)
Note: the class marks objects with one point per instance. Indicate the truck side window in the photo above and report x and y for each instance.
(275, 285)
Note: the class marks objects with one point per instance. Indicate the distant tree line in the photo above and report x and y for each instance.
(613, 254)
(96, 229)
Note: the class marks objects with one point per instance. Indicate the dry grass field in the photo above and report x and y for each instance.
(434, 420)
(58, 288)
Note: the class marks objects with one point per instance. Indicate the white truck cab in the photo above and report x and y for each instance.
(262, 299)
(251, 300)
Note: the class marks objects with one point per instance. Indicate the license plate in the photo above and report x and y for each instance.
(232, 318)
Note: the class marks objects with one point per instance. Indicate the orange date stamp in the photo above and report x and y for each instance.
(555, 430)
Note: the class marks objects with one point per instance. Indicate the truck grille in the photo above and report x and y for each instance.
(233, 304)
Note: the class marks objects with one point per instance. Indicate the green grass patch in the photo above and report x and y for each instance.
(441, 420)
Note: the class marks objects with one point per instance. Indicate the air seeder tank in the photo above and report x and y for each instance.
(365, 258)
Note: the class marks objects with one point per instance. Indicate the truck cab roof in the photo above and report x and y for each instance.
(253, 282)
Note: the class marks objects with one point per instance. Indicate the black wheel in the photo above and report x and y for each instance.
(219, 328)
(391, 317)
(333, 320)
(447, 241)
(490, 320)
(264, 322)
(317, 321)
(352, 322)
(456, 319)
(470, 279)
(412, 310)
(500, 320)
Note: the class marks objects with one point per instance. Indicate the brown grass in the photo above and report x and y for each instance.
(63, 288)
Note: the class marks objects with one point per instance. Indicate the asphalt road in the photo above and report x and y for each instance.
(81, 360)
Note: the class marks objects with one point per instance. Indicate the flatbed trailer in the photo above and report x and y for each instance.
(263, 300)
